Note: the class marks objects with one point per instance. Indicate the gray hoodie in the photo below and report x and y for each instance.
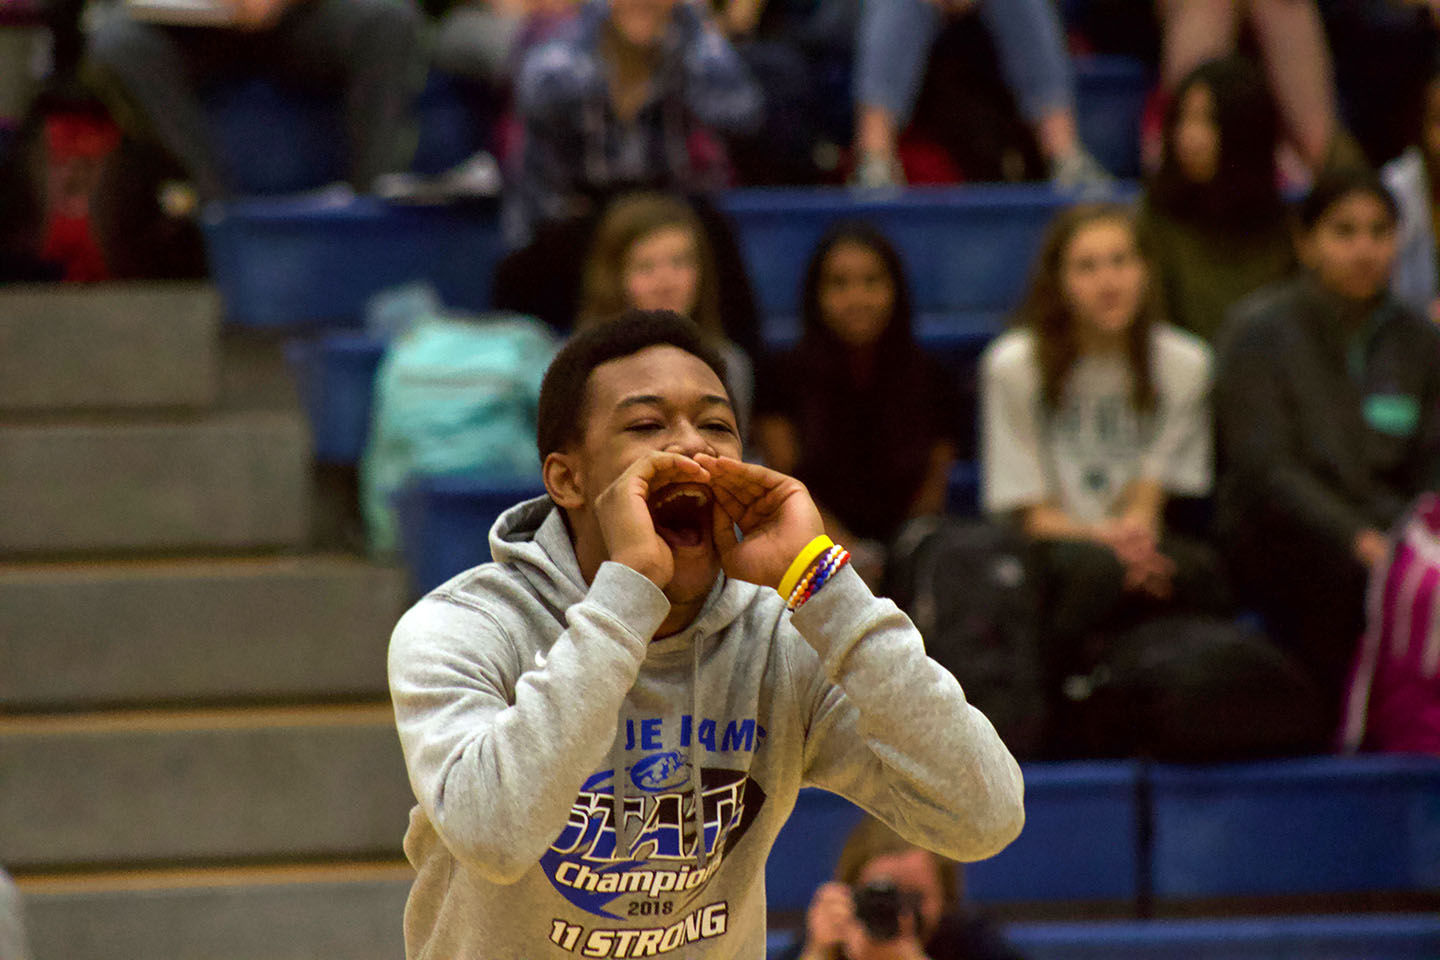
(530, 706)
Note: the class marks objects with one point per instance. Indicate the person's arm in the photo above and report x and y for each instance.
(1013, 479)
(887, 726)
(1258, 436)
(497, 748)
(1143, 505)
(890, 729)
(719, 90)
(547, 90)
(1425, 459)
(934, 492)
(740, 17)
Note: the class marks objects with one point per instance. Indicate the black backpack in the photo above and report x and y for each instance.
(968, 587)
(1195, 689)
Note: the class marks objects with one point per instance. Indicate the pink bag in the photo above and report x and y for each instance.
(1393, 704)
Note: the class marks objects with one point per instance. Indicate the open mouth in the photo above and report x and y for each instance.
(682, 514)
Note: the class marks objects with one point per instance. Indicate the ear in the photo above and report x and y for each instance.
(564, 480)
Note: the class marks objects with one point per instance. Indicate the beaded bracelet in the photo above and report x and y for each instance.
(819, 575)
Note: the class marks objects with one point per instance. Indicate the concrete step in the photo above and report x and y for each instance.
(165, 631)
(173, 787)
(335, 911)
(110, 346)
(225, 481)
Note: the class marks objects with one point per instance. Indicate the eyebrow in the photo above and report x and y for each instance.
(654, 400)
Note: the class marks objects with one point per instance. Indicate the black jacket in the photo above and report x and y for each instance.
(1327, 425)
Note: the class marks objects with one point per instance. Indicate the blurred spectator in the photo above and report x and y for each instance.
(800, 52)
(892, 49)
(874, 853)
(624, 102)
(151, 56)
(543, 278)
(857, 411)
(1384, 51)
(1291, 42)
(1328, 402)
(1096, 415)
(49, 184)
(650, 253)
(1411, 177)
(12, 929)
(1212, 217)
(483, 40)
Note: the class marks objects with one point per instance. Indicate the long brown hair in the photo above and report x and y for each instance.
(871, 839)
(629, 220)
(1047, 312)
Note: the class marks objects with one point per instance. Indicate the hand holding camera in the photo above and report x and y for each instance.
(878, 921)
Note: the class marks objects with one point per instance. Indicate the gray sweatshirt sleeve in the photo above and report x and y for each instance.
(497, 748)
(890, 729)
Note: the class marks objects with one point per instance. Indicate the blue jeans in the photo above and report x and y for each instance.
(894, 46)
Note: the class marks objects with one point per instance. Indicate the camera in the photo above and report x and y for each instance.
(879, 907)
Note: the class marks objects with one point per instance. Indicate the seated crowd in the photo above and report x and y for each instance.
(583, 99)
(1213, 406)
(1209, 404)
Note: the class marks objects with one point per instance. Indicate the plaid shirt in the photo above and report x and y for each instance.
(576, 149)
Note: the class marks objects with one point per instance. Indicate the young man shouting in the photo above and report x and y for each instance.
(607, 726)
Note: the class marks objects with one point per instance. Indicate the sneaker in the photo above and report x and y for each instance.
(1080, 174)
(476, 178)
(878, 171)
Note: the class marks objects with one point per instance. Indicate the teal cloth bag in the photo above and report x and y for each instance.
(453, 396)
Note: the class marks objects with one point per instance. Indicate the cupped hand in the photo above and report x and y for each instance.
(827, 921)
(774, 512)
(623, 512)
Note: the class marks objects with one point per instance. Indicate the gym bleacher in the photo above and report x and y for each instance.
(237, 786)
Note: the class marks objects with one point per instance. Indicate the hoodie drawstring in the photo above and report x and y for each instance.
(697, 795)
(623, 837)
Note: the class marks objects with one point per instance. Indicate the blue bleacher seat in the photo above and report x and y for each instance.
(336, 377)
(968, 250)
(1079, 841)
(304, 262)
(1110, 94)
(445, 523)
(1310, 826)
(807, 848)
(1366, 937)
(310, 261)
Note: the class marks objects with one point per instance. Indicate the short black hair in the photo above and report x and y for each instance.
(563, 392)
(1334, 186)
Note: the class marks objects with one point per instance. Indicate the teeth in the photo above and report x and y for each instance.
(699, 498)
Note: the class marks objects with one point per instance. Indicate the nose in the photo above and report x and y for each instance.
(688, 441)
